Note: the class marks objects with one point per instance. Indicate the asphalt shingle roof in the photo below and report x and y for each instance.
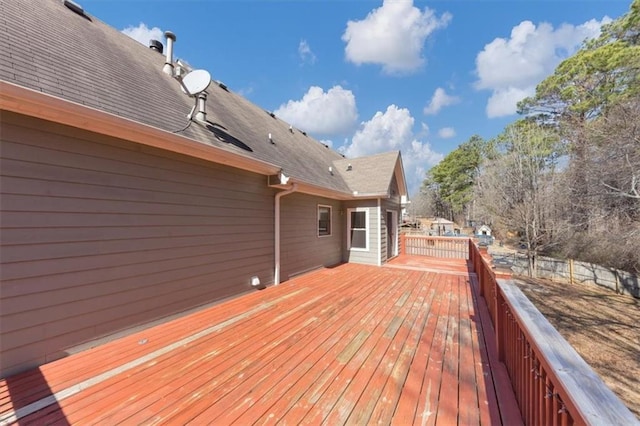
(51, 49)
(368, 175)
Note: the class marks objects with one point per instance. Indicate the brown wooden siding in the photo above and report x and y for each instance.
(302, 250)
(99, 235)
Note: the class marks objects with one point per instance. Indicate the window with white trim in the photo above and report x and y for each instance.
(358, 224)
(324, 221)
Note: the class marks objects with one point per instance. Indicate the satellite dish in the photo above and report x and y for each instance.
(196, 82)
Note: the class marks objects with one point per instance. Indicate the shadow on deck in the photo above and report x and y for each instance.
(408, 343)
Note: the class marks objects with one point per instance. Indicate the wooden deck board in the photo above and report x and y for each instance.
(353, 344)
(469, 401)
(391, 379)
(288, 392)
(313, 387)
(344, 339)
(370, 363)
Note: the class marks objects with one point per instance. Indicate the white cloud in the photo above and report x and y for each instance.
(447, 132)
(393, 130)
(424, 129)
(392, 35)
(504, 101)
(417, 160)
(305, 52)
(384, 132)
(511, 68)
(439, 100)
(326, 113)
(144, 34)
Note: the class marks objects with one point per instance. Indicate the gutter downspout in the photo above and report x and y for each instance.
(380, 233)
(276, 272)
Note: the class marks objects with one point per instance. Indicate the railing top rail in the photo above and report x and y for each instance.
(590, 397)
(437, 237)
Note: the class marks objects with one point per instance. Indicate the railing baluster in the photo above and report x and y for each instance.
(548, 404)
(442, 247)
(538, 390)
(531, 383)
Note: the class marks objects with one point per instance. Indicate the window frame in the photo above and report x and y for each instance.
(367, 228)
(330, 231)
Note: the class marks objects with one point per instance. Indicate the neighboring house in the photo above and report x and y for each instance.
(116, 214)
(483, 233)
(483, 230)
(439, 226)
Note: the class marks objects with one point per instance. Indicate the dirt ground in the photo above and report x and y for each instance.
(603, 327)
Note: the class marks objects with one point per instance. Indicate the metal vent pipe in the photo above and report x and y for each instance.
(168, 64)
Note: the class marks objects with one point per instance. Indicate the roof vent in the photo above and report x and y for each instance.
(156, 46)
(194, 84)
(71, 5)
(181, 63)
(271, 139)
(201, 106)
(181, 68)
(291, 129)
(168, 63)
(349, 168)
(223, 86)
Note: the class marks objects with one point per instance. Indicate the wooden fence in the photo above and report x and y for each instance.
(442, 247)
(552, 383)
(574, 271)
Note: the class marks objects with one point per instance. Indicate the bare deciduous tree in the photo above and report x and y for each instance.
(518, 187)
(613, 176)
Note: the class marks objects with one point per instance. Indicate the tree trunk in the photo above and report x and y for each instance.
(532, 265)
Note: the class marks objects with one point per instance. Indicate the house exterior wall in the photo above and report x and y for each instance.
(372, 255)
(302, 249)
(100, 235)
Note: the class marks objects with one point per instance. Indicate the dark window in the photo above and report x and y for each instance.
(324, 220)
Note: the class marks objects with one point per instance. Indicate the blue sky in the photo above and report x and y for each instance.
(372, 76)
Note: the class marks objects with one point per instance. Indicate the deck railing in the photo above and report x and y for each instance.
(553, 385)
(443, 247)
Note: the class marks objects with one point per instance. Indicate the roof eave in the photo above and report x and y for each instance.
(371, 195)
(32, 103)
(35, 104)
(310, 189)
(401, 178)
(319, 191)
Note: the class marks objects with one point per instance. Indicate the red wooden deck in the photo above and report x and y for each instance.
(352, 344)
(432, 264)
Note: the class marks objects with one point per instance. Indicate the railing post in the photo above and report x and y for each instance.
(403, 243)
(499, 324)
(484, 252)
